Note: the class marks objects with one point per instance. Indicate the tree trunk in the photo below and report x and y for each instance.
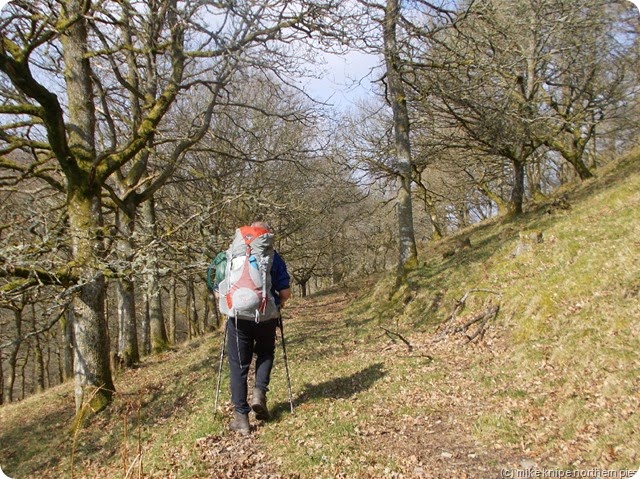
(216, 313)
(187, 310)
(60, 361)
(157, 329)
(517, 192)
(127, 328)
(534, 176)
(192, 309)
(572, 147)
(1, 378)
(125, 290)
(207, 311)
(93, 380)
(68, 343)
(173, 305)
(39, 367)
(47, 363)
(581, 168)
(433, 216)
(92, 369)
(158, 332)
(23, 372)
(144, 327)
(408, 252)
(493, 196)
(13, 355)
(462, 213)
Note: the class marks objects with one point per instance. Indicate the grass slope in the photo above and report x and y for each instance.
(381, 390)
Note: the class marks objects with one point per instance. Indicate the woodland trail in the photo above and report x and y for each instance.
(550, 387)
(424, 429)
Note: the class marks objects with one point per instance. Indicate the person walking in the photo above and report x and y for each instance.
(254, 335)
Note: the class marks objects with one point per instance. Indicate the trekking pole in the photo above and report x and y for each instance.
(224, 341)
(286, 362)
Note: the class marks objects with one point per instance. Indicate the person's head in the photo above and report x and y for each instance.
(261, 224)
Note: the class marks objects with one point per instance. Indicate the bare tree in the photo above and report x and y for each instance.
(587, 82)
(515, 80)
(397, 98)
(77, 128)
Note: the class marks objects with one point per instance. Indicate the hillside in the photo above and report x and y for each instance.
(392, 386)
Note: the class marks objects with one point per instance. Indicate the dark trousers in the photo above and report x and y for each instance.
(247, 337)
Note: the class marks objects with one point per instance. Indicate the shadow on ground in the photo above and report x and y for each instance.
(336, 388)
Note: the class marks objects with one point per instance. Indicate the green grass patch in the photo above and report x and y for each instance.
(554, 378)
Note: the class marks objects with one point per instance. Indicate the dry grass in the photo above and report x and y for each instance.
(554, 380)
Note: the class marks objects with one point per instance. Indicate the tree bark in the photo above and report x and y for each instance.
(408, 252)
(92, 371)
(576, 161)
(68, 343)
(39, 367)
(23, 372)
(1, 378)
(92, 368)
(192, 309)
(13, 355)
(517, 192)
(173, 305)
(534, 176)
(206, 323)
(128, 350)
(144, 326)
(158, 332)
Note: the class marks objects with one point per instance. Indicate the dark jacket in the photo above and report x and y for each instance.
(280, 278)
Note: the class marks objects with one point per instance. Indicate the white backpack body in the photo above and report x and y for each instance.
(245, 292)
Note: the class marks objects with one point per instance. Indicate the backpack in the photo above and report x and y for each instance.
(245, 291)
(218, 265)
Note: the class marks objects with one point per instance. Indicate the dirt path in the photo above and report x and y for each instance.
(425, 430)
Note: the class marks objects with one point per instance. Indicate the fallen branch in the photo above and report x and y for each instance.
(402, 338)
(485, 316)
(459, 307)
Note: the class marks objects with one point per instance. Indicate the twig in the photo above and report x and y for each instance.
(136, 460)
(140, 469)
(32, 333)
(402, 338)
(124, 443)
(413, 356)
(81, 415)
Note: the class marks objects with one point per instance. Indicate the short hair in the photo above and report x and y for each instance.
(261, 224)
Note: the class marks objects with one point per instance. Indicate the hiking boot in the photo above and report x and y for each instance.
(240, 423)
(259, 404)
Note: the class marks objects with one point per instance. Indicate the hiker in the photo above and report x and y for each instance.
(253, 332)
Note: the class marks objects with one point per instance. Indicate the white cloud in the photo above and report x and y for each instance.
(344, 78)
